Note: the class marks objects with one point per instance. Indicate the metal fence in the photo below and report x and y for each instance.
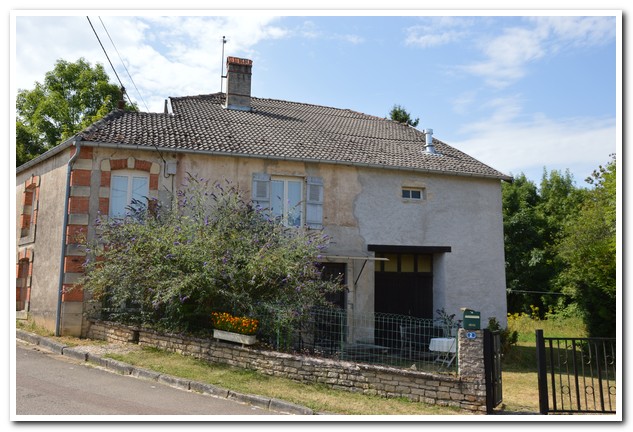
(576, 375)
(377, 338)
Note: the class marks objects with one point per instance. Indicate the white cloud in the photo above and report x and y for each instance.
(430, 40)
(165, 55)
(578, 31)
(310, 30)
(507, 56)
(436, 31)
(580, 144)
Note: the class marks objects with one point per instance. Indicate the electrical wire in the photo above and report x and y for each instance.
(108, 57)
(123, 63)
(536, 292)
(122, 86)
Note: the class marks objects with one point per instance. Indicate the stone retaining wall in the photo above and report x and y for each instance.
(466, 391)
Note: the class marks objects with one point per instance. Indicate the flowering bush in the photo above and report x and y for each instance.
(227, 322)
(210, 250)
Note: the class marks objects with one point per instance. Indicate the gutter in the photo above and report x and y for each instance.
(60, 287)
(50, 153)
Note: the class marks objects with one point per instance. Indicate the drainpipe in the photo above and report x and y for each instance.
(64, 225)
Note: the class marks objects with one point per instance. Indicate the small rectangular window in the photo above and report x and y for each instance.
(413, 194)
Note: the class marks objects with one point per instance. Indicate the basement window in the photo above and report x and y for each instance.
(413, 194)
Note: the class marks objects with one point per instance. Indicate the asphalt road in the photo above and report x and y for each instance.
(50, 384)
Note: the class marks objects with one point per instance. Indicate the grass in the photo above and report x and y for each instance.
(572, 327)
(520, 382)
(32, 327)
(315, 396)
(520, 386)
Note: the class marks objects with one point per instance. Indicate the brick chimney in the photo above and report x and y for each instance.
(238, 83)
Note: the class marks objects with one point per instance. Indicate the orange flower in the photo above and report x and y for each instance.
(225, 321)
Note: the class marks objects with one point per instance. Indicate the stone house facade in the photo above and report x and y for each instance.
(416, 224)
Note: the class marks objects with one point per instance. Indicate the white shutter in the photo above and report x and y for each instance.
(314, 202)
(261, 190)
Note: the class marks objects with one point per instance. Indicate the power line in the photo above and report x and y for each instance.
(119, 79)
(106, 53)
(123, 63)
(536, 292)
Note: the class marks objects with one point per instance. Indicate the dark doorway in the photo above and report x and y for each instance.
(404, 284)
(331, 272)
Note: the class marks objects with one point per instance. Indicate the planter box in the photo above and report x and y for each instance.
(234, 337)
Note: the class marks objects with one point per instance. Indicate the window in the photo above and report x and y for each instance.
(413, 194)
(28, 215)
(28, 212)
(126, 187)
(404, 263)
(286, 200)
(295, 201)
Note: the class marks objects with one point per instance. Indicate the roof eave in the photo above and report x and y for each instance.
(48, 154)
(285, 158)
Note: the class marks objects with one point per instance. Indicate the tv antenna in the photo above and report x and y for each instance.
(222, 76)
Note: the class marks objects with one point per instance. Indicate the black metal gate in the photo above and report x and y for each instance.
(492, 368)
(576, 375)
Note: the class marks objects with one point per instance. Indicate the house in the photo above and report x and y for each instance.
(416, 224)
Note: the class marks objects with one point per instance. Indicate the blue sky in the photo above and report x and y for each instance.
(521, 93)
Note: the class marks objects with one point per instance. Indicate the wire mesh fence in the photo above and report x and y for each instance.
(376, 338)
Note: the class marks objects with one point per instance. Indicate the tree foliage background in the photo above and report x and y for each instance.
(212, 251)
(399, 114)
(72, 96)
(560, 247)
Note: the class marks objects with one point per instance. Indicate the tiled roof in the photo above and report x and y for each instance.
(285, 130)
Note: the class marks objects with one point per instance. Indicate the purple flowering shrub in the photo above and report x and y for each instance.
(211, 251)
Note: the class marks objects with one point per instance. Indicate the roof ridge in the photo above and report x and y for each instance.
(221, 94)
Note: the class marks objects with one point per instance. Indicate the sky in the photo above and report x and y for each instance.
(521, 93)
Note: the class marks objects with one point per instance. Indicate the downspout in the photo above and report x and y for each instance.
(60, 287)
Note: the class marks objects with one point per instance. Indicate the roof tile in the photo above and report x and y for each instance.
(282, 129)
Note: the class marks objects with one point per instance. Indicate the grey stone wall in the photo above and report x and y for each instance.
(466, 392)
(471, 356)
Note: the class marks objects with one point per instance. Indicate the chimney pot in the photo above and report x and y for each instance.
(238, 83)
(121, 103)
(428, 136)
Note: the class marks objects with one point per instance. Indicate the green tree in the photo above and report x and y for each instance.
(401, 115)
(534, 219)
(212, 252)
(73, 96)
(588, 249)
(524, 228)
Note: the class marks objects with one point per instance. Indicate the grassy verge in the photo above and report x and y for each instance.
(32, 327)
(315, 396)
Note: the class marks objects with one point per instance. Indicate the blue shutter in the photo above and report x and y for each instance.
(261, 190)
(314, 202)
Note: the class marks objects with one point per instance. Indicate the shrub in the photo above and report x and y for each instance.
(212, 251)
(508, 337)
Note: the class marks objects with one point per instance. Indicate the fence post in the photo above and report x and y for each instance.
(543, 398)
(488, 371)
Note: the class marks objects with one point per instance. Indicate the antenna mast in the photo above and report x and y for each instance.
(222, 76)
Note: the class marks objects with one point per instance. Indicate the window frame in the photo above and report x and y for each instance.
(285, 199)
(130, 174)
(410, 191)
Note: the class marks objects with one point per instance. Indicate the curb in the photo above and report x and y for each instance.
(121, 368)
